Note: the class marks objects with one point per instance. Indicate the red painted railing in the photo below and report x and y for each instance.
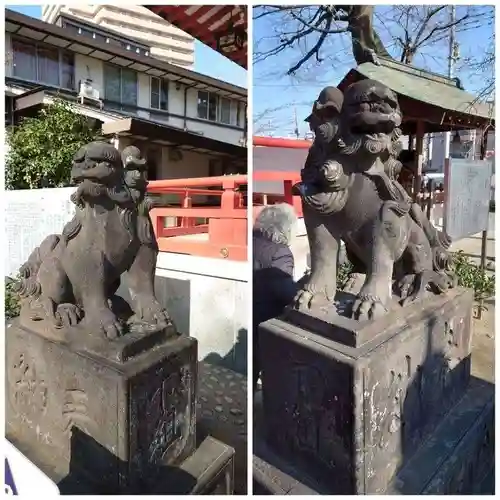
(281, 142)
(224, 225)
(288, 178)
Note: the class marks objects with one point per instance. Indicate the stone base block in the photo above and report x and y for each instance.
(274, 476)
(88, 414)
(457, 458)
(350, 403)
(461, 452)
(208, 471)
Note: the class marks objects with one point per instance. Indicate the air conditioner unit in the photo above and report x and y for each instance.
(87, 91)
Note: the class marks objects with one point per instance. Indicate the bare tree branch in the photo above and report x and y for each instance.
(312, 37)
(296, 25)
(313, 51)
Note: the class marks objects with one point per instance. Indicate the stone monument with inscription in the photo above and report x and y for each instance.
(368, 390)
(101, 392)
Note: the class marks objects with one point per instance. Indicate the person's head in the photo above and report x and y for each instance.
(277, 223)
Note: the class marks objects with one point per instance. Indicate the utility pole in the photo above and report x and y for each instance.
(451, 67)
(296, 130)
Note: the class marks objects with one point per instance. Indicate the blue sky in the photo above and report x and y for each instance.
(206, 60)
(276, 97)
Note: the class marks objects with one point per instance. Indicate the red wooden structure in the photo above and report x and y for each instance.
(205, 231)
(208, 23)
(281, 142)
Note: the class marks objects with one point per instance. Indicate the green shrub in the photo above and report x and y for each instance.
(470, 275)
(343, 272)
(41, 149)
(12, 301)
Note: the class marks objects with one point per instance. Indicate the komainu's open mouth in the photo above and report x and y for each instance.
(382, 127)
(374, 117)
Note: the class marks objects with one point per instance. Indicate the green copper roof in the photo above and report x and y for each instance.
(423, 86)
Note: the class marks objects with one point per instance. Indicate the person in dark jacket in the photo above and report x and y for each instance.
(273, 268)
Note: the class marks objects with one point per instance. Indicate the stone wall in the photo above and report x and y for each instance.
(30, 216)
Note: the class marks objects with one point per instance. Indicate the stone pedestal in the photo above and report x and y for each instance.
(114, 417)
(349, 403)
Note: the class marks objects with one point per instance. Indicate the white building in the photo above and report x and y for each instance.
(167, 42)
(187, 124)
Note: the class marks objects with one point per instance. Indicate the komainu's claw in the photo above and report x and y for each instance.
(305, 300)
(105, 322)
(68, 314)
(413, 286)
(368, 307)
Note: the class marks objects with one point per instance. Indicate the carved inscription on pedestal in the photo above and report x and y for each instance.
(28, 391)
(75, 411)
(162, 417)
(451, 345)
(409, 392)
(393, 415)
(316, 412)
(306, 409)
(162, 428)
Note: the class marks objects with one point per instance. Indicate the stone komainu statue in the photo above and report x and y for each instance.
(357, 199)
(71, 279)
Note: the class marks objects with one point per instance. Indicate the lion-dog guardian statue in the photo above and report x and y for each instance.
(71, 279)
(352, 195)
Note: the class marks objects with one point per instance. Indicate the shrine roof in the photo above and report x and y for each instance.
(207, 23)
(424, 86)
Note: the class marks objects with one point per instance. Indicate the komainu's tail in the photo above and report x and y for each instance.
(28, 285)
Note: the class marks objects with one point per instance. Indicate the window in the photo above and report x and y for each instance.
(120, 85)
(159, 93)
(208, 106)
(68, 70)
(9, 110)
(225, 111)
(241, 114)
(43, 64)
(220, 109)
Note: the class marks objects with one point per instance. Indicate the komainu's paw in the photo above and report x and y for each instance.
(152, 314)
(368, 307)
(305, 300)
(105, 322)
(68, 314)
(405, 285)
(413, 286)
(442, 281)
